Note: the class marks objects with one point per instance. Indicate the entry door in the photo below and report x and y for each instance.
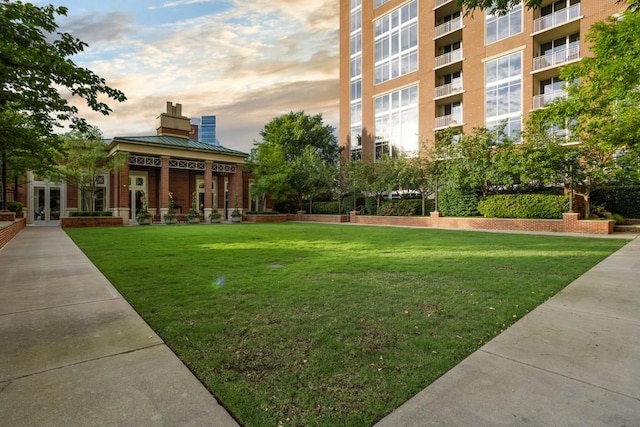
(47, 204)
(137, 194)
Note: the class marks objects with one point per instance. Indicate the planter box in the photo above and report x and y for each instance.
(91, 221)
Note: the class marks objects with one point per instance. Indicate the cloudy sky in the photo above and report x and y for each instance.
(245, 61)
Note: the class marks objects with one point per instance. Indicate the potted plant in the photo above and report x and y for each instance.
(214, 216)
(170, 216)
(236, 215)
(193, 216)
(143, 216)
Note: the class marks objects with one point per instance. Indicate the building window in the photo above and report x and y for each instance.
(500, 27)
(396, 43)
(503, 102)
(378, 3)
(396, 123)
(100, 196)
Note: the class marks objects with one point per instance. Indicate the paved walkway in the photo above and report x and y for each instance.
(574, 361)
(74, 353)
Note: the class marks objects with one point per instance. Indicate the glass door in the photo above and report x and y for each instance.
(138, 194)
(47, 204)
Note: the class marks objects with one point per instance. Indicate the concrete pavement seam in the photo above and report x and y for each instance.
(61, 306)
(87, 361)
(560, 375)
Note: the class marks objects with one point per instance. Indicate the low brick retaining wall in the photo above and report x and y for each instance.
(265, 218)
(10, 231)
(91, 221)
(318, 218)
(568, 224)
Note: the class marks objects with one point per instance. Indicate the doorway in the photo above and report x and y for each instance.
(138, 194)
(47, 203)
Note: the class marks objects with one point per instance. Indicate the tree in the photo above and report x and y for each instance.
(291, 160)
(34, 69)
(86, 158)
(421, 174)
(601, 111)
(503, 6)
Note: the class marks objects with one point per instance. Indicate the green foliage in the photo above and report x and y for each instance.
(531, 206)
(623, 200)
(347, 203)
(326, 208)
(370, 205)
(402, 207)
(91, 213)
(454, 201)
(14, 207)
(297, 158)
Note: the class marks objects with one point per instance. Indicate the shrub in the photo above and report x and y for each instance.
(326, 208)
(531, 206)
(623, 200)
(370, 205)
(15, 207)
(458, 202)
(402, 207)
(87, 213)
(347, 203)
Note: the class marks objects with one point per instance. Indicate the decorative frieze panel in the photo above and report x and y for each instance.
(145, 161)
(181, 164)
(219, 167)
(186, 164)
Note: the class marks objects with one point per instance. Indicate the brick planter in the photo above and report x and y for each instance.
(266, 218)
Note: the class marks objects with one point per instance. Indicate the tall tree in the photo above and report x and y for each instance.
(503, 6)
(601, 111)
(35, 69)
(86, 158)
(291, 159)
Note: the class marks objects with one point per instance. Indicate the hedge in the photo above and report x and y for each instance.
(403, 207)
(86, 213)
(458, 202)
(623, 200)
(14, 207)
(529, 206)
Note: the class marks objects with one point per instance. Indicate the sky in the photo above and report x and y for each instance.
(244, 61)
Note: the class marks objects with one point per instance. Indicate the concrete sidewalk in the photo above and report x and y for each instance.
(74, 353)
(574, 361)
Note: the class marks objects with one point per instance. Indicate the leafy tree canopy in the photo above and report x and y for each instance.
(503, 6)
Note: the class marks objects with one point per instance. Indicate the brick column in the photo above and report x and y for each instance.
(235, 190)
(164, 186)
(123, 201)
(208, 200)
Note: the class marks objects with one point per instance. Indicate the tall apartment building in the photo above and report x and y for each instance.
(412, 67)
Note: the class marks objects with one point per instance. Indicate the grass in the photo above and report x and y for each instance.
(328, 324)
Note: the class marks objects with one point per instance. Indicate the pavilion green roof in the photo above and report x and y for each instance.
(181, 143)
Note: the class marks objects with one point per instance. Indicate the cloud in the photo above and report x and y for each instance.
(92, 28)
(178, 3)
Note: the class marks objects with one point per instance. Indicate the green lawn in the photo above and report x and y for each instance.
(329, 324)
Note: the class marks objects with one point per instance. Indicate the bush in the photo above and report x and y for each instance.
(370, 206)
(402, 207)
(458, 202)
(326, 208)
(347, 203)
(623, 200)
(531, 206)
(87, 213)
(15, 207)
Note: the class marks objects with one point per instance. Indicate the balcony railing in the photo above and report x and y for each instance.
(448, 58)
(448, 121)
(559, 57)
(449, 26)
(441, 3)
(448, 89)
(539, 101)
(556, 18)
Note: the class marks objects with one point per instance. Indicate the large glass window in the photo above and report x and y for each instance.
(503, 100)
(500, 27)
(396, 123)
(100, 195)
(396, 43)
(378, 3)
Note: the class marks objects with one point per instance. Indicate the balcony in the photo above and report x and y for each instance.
(441, 3)
(448, 27)
(451, 120)
(448, 89)
(557, 58)
(539, 101)
(448, 58)
(558, 18)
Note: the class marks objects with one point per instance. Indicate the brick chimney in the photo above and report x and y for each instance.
(173, 123)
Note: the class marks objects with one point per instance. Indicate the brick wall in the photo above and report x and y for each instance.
(84, 221)
(318, 218)
(9, 232)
